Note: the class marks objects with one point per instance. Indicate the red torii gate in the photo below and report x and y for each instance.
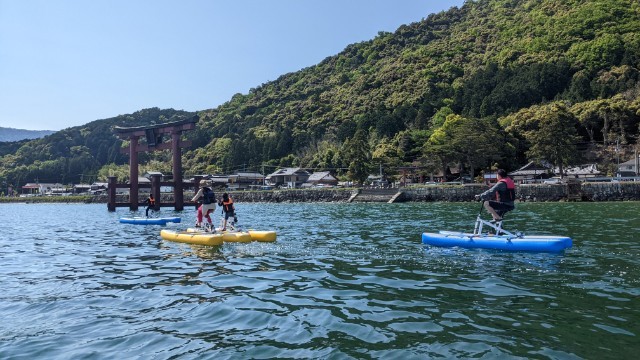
(154, 141)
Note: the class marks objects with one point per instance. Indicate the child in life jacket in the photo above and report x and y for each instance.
(228, 209)
(151, 204)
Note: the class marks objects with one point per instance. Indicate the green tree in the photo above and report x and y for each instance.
(588, 115)
(469, 141)
(614, 118)
(385, 155)
(356, 151)
(440, 116)
(476, 142)
(551, 133)
(121, 172)
(439, 146)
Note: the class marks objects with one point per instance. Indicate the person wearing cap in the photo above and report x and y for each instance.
(208, 203)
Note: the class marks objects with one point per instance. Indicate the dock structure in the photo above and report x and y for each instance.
(155, 140)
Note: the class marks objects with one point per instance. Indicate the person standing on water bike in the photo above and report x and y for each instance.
(208, 203)
(151, 204)
(501, 197)
(228, 209)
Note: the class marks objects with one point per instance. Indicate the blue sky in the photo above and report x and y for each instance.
(65, 63)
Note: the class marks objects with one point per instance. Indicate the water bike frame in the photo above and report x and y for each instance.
(501, 240)
(496, 226)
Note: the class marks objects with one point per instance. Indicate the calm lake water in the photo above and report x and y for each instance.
(343, 281)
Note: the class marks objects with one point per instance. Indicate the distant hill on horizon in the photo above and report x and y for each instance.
(11, 134)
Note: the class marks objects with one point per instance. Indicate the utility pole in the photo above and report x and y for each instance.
(637, 162)
(618, 156)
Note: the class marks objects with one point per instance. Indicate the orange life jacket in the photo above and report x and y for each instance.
(510, 194)
(227, 206)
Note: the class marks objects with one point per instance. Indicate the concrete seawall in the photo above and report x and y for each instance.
(293, 195)
(623, 191)
(611, 191)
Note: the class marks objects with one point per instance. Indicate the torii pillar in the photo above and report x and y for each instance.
(178, 195)
(154, 141)
(133, 172)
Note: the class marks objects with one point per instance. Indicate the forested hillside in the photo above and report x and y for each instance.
(468, 86)
(493, 83)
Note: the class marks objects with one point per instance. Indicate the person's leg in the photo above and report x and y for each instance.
(233, 220)
(199, 216)
(494, 214)
(209, 216)
(224, 223)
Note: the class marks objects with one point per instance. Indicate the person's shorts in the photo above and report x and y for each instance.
(229, 214)
(500, 206)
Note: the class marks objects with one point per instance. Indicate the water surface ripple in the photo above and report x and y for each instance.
(343, 281)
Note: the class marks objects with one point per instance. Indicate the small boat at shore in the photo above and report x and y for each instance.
(150, 221)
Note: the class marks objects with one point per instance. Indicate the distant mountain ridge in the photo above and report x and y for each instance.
(10, 134)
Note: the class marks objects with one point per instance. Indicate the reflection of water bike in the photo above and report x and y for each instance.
(496, 237)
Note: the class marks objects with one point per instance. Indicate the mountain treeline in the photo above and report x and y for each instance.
(80, 154)
(495, 83)
(10, 134)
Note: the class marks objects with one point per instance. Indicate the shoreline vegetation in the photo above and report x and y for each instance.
(623, 191)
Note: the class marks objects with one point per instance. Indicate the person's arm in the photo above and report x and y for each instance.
(198, 194)
(490, 194)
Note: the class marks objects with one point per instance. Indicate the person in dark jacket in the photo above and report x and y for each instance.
(500, 198)
(208, 199)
